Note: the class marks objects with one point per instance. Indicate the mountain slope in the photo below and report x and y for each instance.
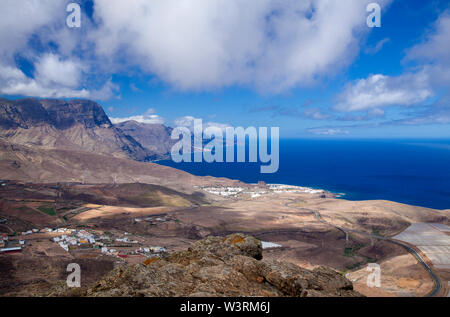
(40, 165)
(154, 137)
(79, 125)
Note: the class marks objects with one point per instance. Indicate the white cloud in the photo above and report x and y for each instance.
(14, 82)
(436, 47)
(413, 87)
(188, 122)
(378, 47)
(328, 131)
(57, 72)
(21, 19)
(153, 119)
(270, 44)
(379, 91)
(107, 91)
(434, 52)
(52, 70)
(148, 117)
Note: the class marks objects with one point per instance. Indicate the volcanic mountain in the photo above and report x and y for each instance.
(74, 141)
(154, 137)
(76, 125)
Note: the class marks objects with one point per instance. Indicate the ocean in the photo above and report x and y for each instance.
(415, 172)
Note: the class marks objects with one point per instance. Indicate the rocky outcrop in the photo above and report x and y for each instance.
(220, 266)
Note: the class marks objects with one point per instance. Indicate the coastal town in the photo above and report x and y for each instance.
(261, 189)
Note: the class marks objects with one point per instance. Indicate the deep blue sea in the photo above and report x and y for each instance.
(415, 172)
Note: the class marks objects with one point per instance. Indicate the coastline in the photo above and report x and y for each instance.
(360, 170)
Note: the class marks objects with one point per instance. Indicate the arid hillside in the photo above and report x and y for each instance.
(38, 165)
(77, 125)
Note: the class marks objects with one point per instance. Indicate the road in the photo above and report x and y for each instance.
(346, 231)
(437, 282)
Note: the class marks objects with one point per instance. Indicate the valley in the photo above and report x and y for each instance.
(143, 216)
(75, 188)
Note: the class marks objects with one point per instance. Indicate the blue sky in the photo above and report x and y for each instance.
(313, 68)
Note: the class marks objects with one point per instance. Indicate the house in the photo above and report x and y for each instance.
(157, 249)
(64, 246)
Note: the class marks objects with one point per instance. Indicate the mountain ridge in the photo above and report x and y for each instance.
(81, 125)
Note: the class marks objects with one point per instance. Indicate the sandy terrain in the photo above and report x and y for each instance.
(400, 276)
(110, 212)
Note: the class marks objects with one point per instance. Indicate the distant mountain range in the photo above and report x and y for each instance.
(80, 125)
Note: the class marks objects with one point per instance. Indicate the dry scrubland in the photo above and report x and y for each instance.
(154, 215)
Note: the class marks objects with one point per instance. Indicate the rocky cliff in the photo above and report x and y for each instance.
(154, 137)
(77, 125)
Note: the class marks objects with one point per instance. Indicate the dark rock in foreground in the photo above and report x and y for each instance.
(219, 266)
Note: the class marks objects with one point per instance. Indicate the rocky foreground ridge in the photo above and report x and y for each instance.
(219, 266)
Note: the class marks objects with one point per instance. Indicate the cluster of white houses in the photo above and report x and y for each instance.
(73, 239)
(84, 239)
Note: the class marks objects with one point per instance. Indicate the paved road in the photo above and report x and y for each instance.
(437, 282)
(345, 231)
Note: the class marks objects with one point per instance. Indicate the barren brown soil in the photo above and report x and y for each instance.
(287, 219)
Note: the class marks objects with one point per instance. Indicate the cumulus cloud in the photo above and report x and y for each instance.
(52, 70)
(269, 44)
(148, 117)
(188, 122)
(19, 20)
(14, 82)
(35, 31)
(379, 91)
(415, 86)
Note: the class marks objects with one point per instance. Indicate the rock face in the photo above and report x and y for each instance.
(154, 137)
(77, 125)
(219, 266)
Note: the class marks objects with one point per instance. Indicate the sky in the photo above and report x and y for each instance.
(314, 68)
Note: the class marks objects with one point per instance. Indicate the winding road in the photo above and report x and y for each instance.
(437, 282)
